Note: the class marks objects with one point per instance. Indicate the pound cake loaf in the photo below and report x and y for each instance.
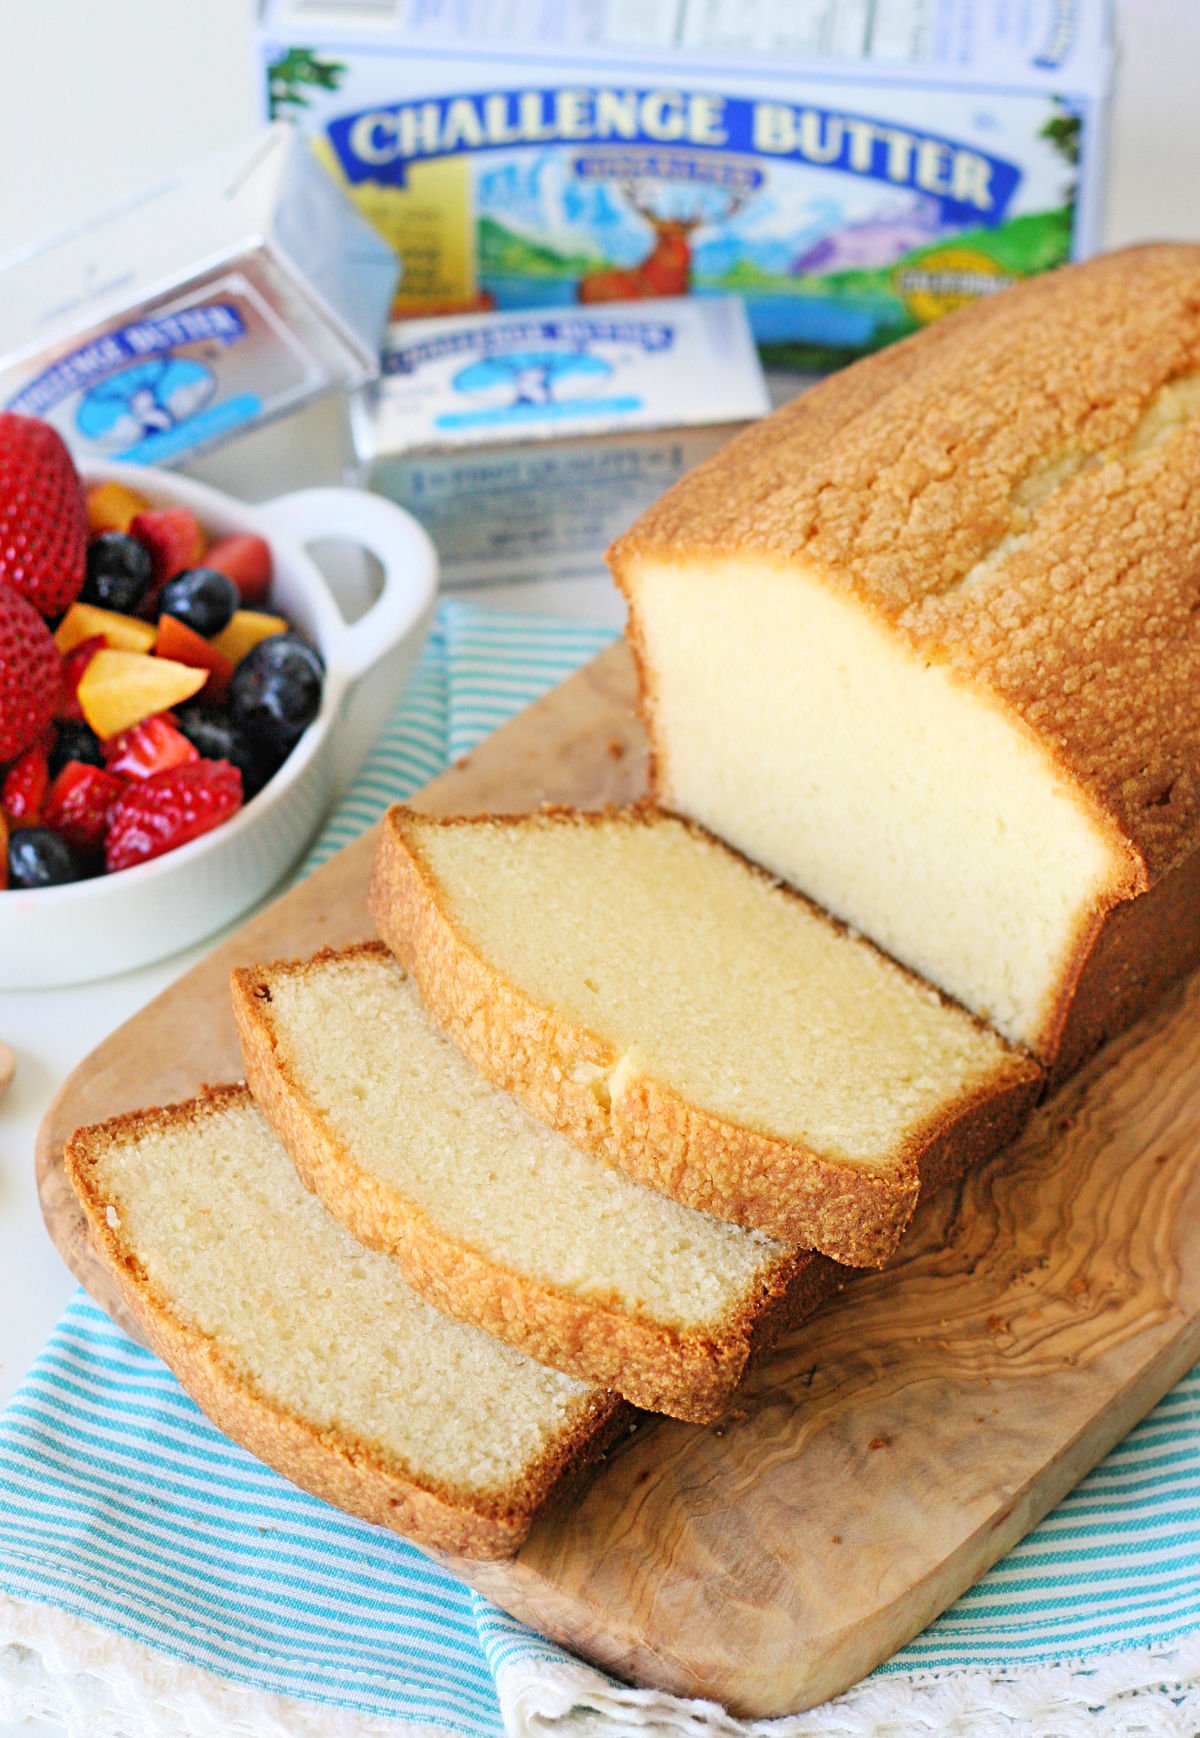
(310, 1350)
(660, 1001)
(493, 1217)
(926, 643)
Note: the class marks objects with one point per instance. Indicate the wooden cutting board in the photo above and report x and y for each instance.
(894, 1447)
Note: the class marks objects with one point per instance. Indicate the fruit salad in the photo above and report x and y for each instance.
(148, 688)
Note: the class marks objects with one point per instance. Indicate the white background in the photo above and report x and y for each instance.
(98, 96)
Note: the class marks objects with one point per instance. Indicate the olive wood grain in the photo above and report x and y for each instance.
(892, 1448)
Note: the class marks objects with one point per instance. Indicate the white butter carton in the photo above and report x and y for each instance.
(217, 300)
(852, 168)
(526, 442)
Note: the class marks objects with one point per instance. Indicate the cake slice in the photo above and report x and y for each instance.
(492, 1216)
(926, 643)
(660, 1001)
(310, 1350)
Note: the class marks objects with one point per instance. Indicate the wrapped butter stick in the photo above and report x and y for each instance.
(525, 442)
(216, 300)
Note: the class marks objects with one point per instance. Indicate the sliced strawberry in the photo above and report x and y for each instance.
(144, 749)
(74, 664)
(78, 802)
(175, 539)
(30, 674)
(158, 814)
(3, 851)
(246, 560)
(43, 520)
(176, 640)
(24, 789)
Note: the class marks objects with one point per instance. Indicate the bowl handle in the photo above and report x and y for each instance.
(393, 536)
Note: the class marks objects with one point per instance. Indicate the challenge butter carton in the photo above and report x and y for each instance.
(526, 442)
(852, 168)
(218, 299)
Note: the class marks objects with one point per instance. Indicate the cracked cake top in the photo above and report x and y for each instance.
(1016, 492)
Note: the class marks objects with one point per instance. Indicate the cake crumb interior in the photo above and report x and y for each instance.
(212, 1209)
(414, 1114)
(704, 975)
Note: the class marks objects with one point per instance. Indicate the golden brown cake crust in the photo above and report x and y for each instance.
(805, 1198)
(991, 488)
(329, 1463)
(687, 1374)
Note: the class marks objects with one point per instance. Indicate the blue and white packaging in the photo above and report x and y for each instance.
(223, 297)
(526, 442)
(852, 168)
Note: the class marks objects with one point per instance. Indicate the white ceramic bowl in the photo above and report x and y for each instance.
(91, 929)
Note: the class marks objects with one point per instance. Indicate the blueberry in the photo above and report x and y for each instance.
(200, 597)
(39, 858)
(118, 572)
(276, 692)
(74, 740)
(215, 737)
(209, 730)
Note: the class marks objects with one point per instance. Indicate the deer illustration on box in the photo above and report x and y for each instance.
(667, 268)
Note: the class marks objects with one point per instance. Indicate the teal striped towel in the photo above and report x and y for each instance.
(157, 1581)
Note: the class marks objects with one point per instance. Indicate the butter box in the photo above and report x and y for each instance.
(526, 442)
(852, 168)
(212, 302)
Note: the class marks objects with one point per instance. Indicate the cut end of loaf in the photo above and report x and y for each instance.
(653, 995)
(924, 641)
(310, 1350)
(875, 779)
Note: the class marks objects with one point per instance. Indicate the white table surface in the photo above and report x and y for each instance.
(80, 80)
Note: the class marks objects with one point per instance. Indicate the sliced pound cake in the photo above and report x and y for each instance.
(492, 1216)
(659, 1000)
(926, 643)
(310, 1350)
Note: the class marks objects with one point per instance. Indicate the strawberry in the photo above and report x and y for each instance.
(24, 788)
(246, 560)
(149, 747)
(78, 803)
(74, 664)
(170, 808)
(30, 674)
(175, 539)
(43, 519)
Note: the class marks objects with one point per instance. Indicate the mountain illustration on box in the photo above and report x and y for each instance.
(866, 261)
(859, 251)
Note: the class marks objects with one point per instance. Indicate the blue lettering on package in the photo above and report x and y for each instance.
(218, 322)
(382, 144)
(576, 331)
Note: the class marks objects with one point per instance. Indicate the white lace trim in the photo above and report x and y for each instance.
(61, 1668)
(1142, 1693)
(98, 1685)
